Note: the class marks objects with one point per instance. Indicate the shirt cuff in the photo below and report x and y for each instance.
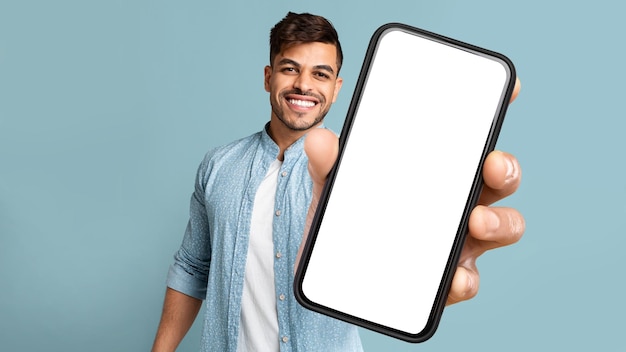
(180, 280)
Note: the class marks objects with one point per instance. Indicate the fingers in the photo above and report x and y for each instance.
(516, 89)
(464, 285)
(495, 227)
(489, 228)
(502, 175)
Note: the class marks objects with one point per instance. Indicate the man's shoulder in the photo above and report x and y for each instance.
(230, 154)
(233, 148)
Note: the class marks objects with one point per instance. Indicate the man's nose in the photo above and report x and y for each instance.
(303, 82)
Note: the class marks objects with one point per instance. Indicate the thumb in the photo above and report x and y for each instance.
(321, 146)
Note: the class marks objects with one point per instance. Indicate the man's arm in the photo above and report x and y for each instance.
(179, 313)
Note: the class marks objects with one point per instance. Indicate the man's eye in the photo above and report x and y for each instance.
(322, 75)
(289, 69)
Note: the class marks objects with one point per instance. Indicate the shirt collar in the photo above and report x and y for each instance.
(293, 151)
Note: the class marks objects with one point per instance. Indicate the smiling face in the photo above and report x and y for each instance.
(303, 84)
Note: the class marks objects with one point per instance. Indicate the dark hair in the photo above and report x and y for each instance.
(303, 28)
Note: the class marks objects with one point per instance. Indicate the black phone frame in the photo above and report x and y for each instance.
(453, 258)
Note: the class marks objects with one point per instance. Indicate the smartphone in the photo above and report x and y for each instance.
(392, 218)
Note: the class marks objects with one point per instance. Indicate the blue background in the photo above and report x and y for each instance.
(106, 109)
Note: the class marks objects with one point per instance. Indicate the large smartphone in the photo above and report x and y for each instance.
(392, 218)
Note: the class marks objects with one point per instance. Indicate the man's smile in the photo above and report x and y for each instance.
(301, 102)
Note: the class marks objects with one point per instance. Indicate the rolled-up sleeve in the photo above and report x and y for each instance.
(190, 270)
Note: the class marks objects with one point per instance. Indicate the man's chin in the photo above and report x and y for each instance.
(300, 128)
(301, 125)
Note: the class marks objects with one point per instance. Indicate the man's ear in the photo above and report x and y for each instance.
(338, 84)
(268, 75)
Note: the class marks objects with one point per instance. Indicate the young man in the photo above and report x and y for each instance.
(248, 213)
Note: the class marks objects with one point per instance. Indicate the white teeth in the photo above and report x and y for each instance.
(302, 103)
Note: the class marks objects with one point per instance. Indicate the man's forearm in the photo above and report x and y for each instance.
(179, 313)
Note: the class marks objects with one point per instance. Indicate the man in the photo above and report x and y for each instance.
(248, 213)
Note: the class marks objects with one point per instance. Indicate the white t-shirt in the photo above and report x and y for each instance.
(258, 324)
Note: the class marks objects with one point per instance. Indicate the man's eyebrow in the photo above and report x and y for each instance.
(325, 68)
(286, 61)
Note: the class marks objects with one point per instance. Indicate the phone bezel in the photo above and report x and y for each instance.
(445, 283)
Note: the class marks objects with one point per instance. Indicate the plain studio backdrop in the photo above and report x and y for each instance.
(107, 107)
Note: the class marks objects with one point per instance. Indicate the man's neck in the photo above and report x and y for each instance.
(284, 137)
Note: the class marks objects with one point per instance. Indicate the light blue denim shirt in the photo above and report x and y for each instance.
(210, 263)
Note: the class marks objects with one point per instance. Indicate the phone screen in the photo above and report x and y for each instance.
(392, 218)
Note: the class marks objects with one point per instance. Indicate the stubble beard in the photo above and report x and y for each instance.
(293, 125)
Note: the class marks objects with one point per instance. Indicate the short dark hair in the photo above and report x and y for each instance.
(303, 28)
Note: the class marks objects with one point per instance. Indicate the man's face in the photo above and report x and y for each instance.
(303, 84)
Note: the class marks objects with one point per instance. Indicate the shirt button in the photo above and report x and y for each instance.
(278, 255)
(284, 173)
(285, 339)
(281, 297)
(277, 212)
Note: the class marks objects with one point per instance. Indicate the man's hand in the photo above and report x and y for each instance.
(321, 147)
(489, 227)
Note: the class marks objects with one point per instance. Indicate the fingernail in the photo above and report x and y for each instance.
(511, 170)
(470, 286)
(492, 221)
